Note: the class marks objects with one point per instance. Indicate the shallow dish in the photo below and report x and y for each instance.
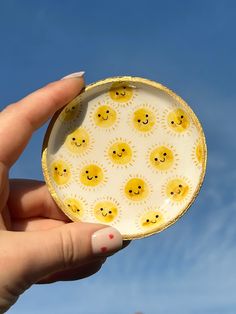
(127, 152)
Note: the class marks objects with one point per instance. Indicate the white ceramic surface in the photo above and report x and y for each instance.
(127, 152)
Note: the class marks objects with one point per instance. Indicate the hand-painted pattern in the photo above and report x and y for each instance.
(130, 158)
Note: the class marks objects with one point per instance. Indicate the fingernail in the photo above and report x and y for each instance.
(76, 74)
(106, 240)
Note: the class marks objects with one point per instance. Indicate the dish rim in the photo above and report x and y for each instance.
(151, 83)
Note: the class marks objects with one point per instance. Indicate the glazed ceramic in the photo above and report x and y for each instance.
(128, 152)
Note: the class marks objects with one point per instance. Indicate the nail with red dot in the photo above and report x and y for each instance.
(106, 240)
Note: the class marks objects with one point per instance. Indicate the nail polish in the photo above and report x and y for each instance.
(76, 74)
(106, 240)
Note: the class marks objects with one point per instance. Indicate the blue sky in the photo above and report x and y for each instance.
(188, 46)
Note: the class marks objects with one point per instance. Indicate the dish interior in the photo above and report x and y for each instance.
(125, 153)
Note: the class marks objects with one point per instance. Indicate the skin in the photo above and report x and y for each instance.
(152, 219)
(37, 243)
(105, 116)
(60, 172)
(78, 141)
(177, 190)
(136, 189)
(121, 92)
(178, 120)
(91, 175)
(161, 158)
(75, 206)
(120, 153)
(105, 211)
(143, 120)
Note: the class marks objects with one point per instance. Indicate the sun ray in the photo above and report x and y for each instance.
(106, 210)
(104, 117)
(177, 189)
(176, 121)
(60, 172)
(144, 119)
(71, 111)
(91, 175)
(74, 206)
(78, 142)
(122, 94)
(120, 153)
(136, 189)
(198, 153)
(151, 219)
(162, 158)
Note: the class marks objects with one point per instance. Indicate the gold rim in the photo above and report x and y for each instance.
(152, 84)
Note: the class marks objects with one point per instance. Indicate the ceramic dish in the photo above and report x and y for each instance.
(127, 152)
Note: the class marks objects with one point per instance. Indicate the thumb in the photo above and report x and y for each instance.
(30, 256)
(66, 247)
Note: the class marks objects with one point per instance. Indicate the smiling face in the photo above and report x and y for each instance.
(151, 220)
(60, 172)
(105, 211)
(162, 158)
(104, 116)
(75, 206)
(136, 189)
(121, 92)
(143, 120)
(120, 153)
(178, 120)
(70, 111)
(78, 141)
(91, 175)
(177, 190)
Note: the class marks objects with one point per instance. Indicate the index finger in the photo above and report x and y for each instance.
(19, 120)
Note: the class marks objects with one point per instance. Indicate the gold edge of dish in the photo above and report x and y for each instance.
(176, 98)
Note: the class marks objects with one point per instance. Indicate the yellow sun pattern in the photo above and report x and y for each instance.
(106, 210)
(121, 153)
(133, 146)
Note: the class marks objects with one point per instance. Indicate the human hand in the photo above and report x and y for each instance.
(38, 243)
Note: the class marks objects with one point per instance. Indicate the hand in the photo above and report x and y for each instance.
(37, 241)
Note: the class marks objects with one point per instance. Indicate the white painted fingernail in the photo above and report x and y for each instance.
(76, 74)
(106, 240)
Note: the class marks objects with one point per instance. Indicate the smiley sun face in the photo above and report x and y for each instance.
(198, 153)
(151, 220)
(91, 175)
(136, 189)
(71, 111)
(143, 120)
(74, 206)
(105, 116)
(178, 120)
(61, 172)
(121, 92)
(161, 158)
(105, 211)
(120, 153)
(78, 142)
(177, 190)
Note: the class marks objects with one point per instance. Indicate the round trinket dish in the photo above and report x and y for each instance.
(127, 152)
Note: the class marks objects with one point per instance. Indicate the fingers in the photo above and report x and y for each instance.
(40, 254)
(4, 185)
(31, 198)
(77, 273)
(18, 121)
(35, 224)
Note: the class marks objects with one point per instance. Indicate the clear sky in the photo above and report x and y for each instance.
(188, 46)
